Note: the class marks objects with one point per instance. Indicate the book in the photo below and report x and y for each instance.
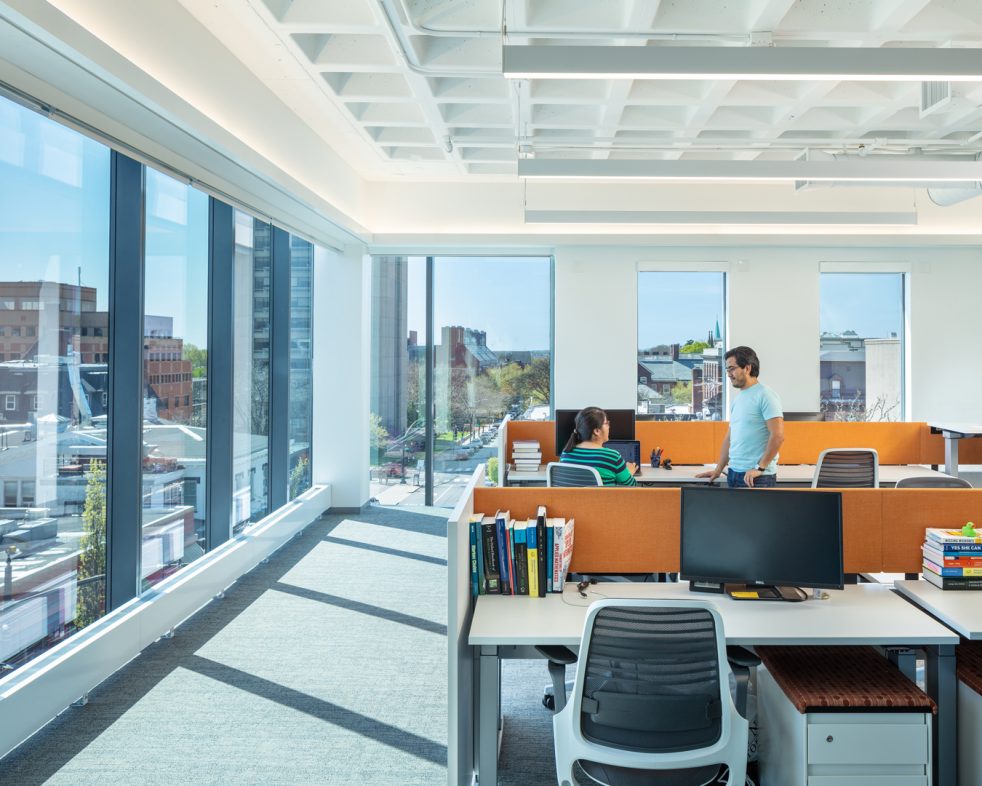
(567, 553)
(951, 536)
(510, 551)
(501, 545)
(964, 548)
(492, 570)
(478, 519)
(952, 559)
(533, 557)
(953, 583)
(947, 572)
(521, 558)
(473, 523)
(540, 539)
(525, 444)
(556, 577)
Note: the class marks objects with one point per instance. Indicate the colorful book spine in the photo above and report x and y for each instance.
(521, 559)
(531, 536)
(492, 570)
(510, 551)
(482, 585)
(952, 559)
(550, 546)
(951, 536)
(540, 540)
(501, 546)
(951, 572)
(568, 528)
(472, 526)
(965, 548)
(951, 583)
(556, 576)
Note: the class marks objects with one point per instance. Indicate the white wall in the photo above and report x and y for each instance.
(342, 346)
(773, 307)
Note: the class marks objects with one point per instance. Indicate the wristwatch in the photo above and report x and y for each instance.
(760, 468)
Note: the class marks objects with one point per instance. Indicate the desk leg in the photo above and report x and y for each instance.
(942, 686)
(951, 455)
(489, 714)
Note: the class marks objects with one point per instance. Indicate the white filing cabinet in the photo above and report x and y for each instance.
(839, 748)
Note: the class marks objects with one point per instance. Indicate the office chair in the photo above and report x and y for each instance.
(933, 482)
(560, 473)
(651, 695)
(847, 468)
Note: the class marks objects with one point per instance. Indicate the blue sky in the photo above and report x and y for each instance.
(676, 307)
(509, 297)
(871, 304)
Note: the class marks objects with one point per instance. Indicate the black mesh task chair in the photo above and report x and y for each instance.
(560, 473)
(651, 696)
(843, 468)
(933, 482)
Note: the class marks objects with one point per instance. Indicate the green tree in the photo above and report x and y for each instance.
(299, 476)
(694, 347)
(92, 562)
(682, 392)
(198, 358)
(492, 469)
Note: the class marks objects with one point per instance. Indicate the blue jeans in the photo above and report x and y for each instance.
(735, 479)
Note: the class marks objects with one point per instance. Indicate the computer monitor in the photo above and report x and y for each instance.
(761, 544)
(621, 425)
(630, 450)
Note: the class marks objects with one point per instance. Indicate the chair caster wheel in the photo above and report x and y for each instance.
(549, 702)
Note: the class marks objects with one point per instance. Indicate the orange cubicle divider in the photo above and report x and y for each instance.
(636, 530)
(699, 441)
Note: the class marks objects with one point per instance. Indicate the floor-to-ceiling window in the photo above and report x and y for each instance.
(491, 356)
(681, 340)
(251, 377)
(175, 376)
(861, 346)
(301, 356)
(54, 353)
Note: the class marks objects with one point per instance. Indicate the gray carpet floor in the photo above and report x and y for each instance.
(327, 665)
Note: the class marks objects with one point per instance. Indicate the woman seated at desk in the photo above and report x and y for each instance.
(586, 447)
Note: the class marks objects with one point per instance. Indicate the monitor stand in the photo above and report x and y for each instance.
(766, 592)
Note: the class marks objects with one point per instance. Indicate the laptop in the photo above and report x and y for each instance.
(630, 450)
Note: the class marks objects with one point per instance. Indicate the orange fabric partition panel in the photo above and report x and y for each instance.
(932, 449)
(862, 538)
(626, 530)
(908, 512)
(685, 442)
(542, 430)
(896, 443)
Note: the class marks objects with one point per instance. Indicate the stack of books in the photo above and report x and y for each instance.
(526, 455)
(952, 561)
(518, 556)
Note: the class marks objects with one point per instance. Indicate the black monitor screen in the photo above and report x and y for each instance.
(779, 538)
(621, 425)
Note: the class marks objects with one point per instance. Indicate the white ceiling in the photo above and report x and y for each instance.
(413, 88)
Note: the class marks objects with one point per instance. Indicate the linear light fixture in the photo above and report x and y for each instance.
(729, 62)
(882, 169)
(718, 217)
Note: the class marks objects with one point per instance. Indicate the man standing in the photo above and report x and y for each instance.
(756, 426)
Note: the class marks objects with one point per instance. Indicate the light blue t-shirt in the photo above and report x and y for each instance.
(749, 413)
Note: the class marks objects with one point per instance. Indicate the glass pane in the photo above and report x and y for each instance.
(175, 376)
(490, 359)
(301, 355)
(861, 346)
(250, 391)
(54, 340)
(681, 335)
(398, 410)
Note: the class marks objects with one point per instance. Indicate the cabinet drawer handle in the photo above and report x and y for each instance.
(829, 738)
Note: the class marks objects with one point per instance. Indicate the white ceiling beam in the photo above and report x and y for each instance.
(724, 62)
(719, 217)
(884, 170)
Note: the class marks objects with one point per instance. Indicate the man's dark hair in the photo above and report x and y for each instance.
(745, 356)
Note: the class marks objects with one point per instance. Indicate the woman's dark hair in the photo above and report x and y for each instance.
(745, 356)
(587, 420)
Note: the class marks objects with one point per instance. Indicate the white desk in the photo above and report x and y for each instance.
(791, 474)
(959, 610)
(953, 433)
(505, 626)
